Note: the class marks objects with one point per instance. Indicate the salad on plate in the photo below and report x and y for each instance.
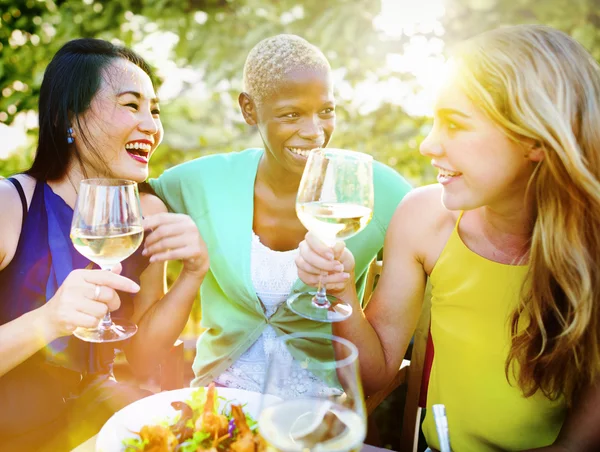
(200, 426)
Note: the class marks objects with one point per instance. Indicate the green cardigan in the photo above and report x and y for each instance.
(217, 191)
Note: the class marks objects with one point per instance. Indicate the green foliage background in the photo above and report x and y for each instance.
(32, 30)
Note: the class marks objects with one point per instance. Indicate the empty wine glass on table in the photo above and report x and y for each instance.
(107, 229)
(335, 201)
(318, 403)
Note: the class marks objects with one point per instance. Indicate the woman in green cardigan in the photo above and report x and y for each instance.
(244, 206)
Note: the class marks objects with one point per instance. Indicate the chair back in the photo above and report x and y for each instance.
(417, 378)
(414, 372)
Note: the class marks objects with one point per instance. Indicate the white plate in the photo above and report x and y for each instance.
(157, 408)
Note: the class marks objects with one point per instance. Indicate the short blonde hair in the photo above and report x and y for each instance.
(272, 59)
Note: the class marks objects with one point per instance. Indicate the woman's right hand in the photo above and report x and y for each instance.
(83, 299)
(334, 267)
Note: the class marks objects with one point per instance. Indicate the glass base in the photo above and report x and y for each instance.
(302, 304)
(113, 333)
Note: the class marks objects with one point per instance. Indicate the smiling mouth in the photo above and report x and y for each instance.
(446, 173)
(139, 151)
(301, 152)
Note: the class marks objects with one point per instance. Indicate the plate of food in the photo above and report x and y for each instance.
(187, 420)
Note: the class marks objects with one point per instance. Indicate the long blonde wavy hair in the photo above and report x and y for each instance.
(542, 87)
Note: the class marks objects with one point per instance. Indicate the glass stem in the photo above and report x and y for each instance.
(320, 299)
(106, 322)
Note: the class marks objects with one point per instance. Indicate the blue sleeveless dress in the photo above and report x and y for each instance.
(38, 392)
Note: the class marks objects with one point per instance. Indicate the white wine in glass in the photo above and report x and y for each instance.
(107, 247)
(335, 201)
(316, 417)
(333, 220)
(107, 229)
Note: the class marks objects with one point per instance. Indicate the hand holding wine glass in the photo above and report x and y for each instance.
(335, 201)
(75, 303)
(107, 228)
(318, 263)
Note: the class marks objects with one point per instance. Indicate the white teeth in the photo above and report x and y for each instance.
(446, 173)
(302, 152)
(138, 146)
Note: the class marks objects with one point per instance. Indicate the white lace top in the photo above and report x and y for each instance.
(273, 275)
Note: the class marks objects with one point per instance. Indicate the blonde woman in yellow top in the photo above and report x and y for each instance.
(510, 238)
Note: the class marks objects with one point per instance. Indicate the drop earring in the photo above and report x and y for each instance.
(70, 138)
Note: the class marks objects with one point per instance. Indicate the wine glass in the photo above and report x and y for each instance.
(313, 398)
(335, 201)
(106, 229)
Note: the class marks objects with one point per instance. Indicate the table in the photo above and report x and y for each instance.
(89, 446)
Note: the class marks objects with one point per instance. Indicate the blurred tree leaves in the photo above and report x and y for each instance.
(214, 37)
(579, 18)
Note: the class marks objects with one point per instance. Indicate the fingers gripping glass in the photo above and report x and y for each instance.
(107, 228)
(335, 201)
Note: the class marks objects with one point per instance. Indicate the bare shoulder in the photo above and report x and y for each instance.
(8, 197)
(8, 191)
(12, 215)
(152, 204)
(422, 211)
(422, 223)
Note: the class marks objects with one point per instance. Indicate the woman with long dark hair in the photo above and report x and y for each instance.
(99, 117)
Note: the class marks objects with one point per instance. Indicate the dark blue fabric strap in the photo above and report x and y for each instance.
(19, 188)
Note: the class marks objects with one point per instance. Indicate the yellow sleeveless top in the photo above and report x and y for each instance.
(472, 299)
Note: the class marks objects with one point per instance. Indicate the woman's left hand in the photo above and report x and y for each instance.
(173, 236)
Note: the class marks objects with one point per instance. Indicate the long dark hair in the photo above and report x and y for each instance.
(70, 82)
